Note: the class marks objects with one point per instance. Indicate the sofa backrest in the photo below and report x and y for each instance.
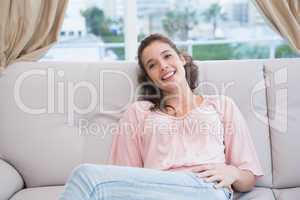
(46, 131)
(283, 95)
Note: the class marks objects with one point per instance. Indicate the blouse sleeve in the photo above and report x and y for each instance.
(126, 144)
(239, 147)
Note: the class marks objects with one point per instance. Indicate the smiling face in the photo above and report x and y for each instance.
(164, 66)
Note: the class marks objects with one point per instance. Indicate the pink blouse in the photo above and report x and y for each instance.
(214, 132)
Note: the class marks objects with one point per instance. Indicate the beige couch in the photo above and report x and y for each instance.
(45, 133)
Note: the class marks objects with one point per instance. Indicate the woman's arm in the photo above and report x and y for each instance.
(126, 145)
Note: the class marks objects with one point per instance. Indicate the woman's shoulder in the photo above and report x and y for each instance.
(136, 111)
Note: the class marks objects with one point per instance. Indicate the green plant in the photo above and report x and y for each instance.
(95, 21)
(285, 51)
(120, 52)
(250, 51)
(213, 15)
(212, 52)
(178, 22)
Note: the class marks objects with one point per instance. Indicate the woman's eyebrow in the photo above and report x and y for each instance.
(164, 51)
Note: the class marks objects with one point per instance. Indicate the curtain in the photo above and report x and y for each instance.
(284, 17)
(28, 28)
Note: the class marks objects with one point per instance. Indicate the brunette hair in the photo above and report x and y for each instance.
(149, 91)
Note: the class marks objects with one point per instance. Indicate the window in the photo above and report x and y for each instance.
(92, 30)
(241, 12)
(71, 33)
(208, 30)
(213, 30)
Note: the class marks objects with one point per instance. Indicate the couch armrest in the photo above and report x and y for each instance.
(10, 180)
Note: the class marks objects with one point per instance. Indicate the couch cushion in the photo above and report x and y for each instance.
(287, 194)
(243, 80)
(38, 193)
(45, 147)
(10, 180)
(257, 193)
(282, 78)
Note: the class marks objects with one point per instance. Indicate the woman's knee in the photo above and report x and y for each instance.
(85, 170)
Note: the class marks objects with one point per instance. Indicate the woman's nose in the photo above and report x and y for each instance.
(164, 67)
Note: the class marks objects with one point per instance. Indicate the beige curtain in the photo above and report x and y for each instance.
(284, 17)
(28, 28)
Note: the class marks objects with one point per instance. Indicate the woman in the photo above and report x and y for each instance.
(172, 144)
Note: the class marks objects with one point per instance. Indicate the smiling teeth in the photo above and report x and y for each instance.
(168, 75)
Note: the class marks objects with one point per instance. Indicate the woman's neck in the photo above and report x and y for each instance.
(181, 102)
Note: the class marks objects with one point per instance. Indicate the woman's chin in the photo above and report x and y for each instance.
(170, 87)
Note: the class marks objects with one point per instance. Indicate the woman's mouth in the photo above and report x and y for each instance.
(168, 75)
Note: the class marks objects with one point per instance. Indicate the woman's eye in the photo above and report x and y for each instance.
(168, 55)
(151, 66)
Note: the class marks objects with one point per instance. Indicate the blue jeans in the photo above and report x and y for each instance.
(110, 182)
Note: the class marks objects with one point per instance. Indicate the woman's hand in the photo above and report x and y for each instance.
(224, 174)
